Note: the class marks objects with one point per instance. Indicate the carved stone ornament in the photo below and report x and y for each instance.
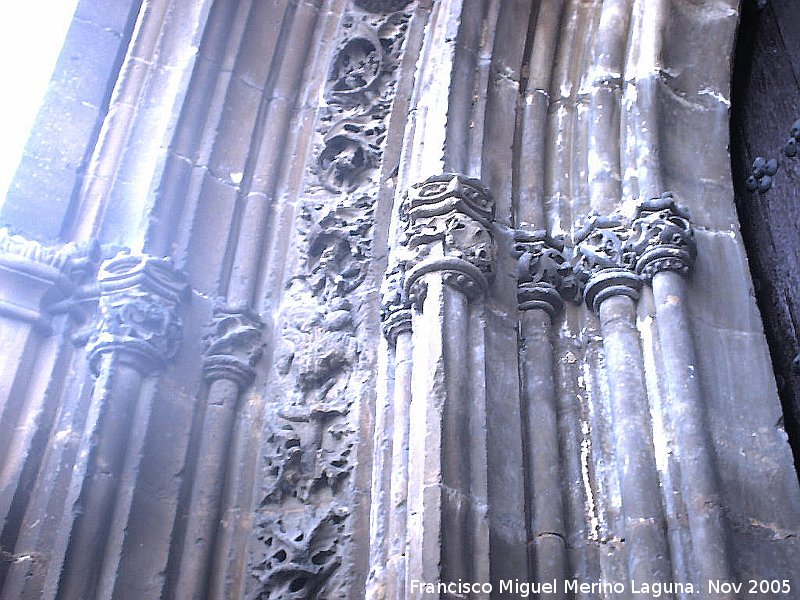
(232, 345)
(41, 279)
(351, 149)
(139, 299)
(448, 229)
(395, 306)
(300, 552)
(545, 278)
(662, 239)
(359, 92)
(603, 262)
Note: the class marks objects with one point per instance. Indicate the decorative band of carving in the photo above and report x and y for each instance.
(603, 261)
(232, 345)
(611, 282)
(662, 238)
(458, 273)
(443, 194)
(138, 310)
(544, 272)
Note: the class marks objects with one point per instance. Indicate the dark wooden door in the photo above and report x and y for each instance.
(765, 104)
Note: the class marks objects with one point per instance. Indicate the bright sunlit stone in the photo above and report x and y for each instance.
(32, 33)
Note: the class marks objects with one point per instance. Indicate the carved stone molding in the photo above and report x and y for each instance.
(603, 261)
(395, 307)
(448, 229)
(545, 277)
(232, 345)
(139, 300)
(39, 278)
(662, 238)
(359, 95)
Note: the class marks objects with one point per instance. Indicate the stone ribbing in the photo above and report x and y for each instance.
(127, 163)
(232, 348)
(238, 166)
(612, 289)
(39, 284)
(545, 281)
(665, 250)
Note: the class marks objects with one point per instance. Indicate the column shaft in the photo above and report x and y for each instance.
(547, 547)
(645, 534)
(698, 475)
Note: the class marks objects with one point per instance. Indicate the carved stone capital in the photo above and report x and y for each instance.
(139, 300)
(545, 278)
(232, 345)
(603, 262)
(662, 238)
(448, 229)
(395, 305)
(38, 278)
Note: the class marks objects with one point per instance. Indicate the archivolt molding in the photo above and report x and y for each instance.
(304, 515)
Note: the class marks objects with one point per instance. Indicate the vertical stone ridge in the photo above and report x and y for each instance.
(438, 522)
(665, 250)
(138, 331)
(232, 347)
(546, 280)
(38, 285)
(611, 289)
(127, 162)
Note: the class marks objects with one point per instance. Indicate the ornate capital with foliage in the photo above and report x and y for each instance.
(662, 238)
(232, 345)
(603, 261)
(395, 306)
(139, 300)
(545, 278)
(40, 279)
(448, 229)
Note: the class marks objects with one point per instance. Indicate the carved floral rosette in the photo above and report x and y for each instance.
(603, 262)
(138, 308)
(448, 230)
(662, 238)
(232, 345)
(545, 277)
(359, 93)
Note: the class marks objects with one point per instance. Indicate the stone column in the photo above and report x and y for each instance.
(451, 261)
(545, 280)
(232, 348)
(612, 289)
(138, 332)
(664, 247)
(36, 283)
(396, 318)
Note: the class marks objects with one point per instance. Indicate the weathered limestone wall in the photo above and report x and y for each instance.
(427, 312)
